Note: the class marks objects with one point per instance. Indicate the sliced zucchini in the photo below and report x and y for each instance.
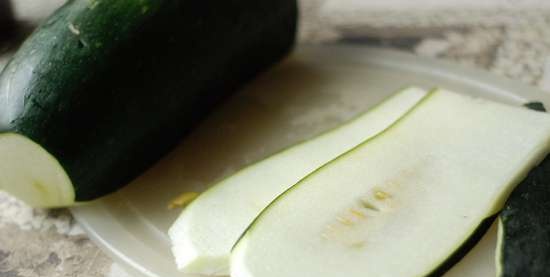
(406, 202)
(523, 247)
(202, 237)
(109, 87)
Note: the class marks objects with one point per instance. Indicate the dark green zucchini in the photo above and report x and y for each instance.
(108, 87)
(524, 230)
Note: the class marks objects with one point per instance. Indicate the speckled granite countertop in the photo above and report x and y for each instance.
(508, 39)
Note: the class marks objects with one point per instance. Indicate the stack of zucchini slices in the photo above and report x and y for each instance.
(406, 189)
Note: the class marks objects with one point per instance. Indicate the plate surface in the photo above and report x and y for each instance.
(317, 88)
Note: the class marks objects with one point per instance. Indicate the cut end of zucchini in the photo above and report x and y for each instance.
(30, 173)
(190, 261)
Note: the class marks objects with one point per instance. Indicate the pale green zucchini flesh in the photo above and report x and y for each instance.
(404, 203)
(208, 228)
(31, 174)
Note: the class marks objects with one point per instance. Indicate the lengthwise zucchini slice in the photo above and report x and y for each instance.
(208, 228)
(403, 203)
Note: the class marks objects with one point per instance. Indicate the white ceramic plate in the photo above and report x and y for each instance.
(316, 89)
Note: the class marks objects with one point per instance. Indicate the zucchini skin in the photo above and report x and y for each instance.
(109, 87)
(525, 249)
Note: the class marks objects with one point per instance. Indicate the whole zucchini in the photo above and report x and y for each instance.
(106, 88)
